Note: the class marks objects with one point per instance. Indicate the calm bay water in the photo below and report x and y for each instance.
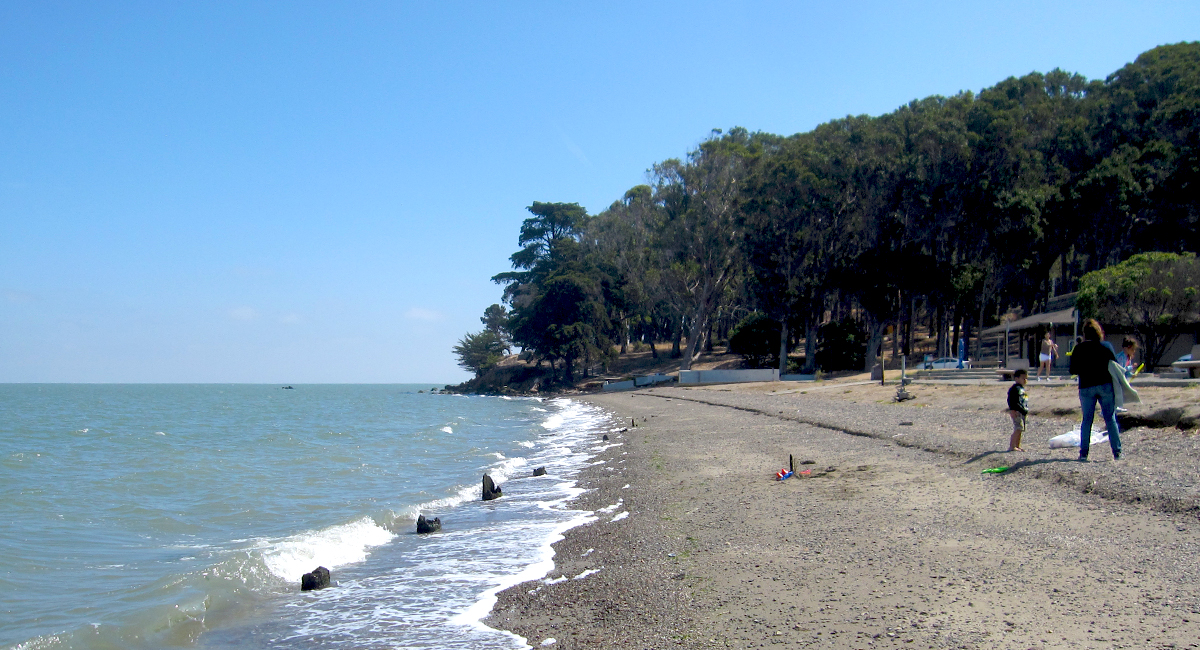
(150, 516)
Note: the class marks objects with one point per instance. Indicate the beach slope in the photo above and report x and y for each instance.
(894, 537)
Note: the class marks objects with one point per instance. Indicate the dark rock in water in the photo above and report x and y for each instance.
(318, 579)
(541, 471)
(428, 526)
(490, 489)
(606, 436)
(288, 388)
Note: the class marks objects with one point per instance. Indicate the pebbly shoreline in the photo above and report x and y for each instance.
(894, 539)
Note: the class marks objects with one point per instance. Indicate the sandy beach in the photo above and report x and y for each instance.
(894, 539)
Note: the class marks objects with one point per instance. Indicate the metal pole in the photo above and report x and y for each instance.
(1006, 346)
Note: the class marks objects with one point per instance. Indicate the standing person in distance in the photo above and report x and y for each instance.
(1018, 408)
(1090, 361)
(1049, 350)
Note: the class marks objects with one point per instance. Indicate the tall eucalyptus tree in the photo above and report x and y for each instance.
(700, 234)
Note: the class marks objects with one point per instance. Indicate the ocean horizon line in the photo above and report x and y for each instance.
(224, 383)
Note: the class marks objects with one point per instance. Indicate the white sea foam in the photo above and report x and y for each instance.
(577, 423)
(473, 615)
(608, 509)
(332, 547)
(501, 472)
(447, 429)
(619, 517)
(586, 574)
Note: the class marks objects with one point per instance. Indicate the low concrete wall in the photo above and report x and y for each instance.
(694, 377)
(797, 378)
(618, 385)
(652, 379)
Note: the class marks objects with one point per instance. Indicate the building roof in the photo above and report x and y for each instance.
(1062, 301)
(1060, 317)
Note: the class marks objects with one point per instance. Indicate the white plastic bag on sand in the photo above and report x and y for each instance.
(1071, 438)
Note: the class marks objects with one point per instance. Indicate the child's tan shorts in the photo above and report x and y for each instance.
(1018, 419)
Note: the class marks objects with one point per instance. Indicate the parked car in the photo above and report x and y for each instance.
(946, 362)
(1186, 357)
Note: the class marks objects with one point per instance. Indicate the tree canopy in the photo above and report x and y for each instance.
(480, 352)
(1155, 295)
(959, 209)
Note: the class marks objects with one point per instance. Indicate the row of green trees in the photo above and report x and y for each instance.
(960, 208)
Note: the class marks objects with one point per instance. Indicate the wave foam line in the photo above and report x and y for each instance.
(331, 547)
(501, 472)
(473, 616)
(574, 418)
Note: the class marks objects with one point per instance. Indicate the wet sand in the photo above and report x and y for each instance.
(895, 539)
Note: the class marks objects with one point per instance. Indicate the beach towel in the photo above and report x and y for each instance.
(1122, 391)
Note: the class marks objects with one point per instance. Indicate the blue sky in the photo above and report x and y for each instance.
(294, 192)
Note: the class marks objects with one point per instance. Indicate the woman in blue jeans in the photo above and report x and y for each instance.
(1089, 360)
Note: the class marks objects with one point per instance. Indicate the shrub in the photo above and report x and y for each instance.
(756, 338)
(842, 346)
